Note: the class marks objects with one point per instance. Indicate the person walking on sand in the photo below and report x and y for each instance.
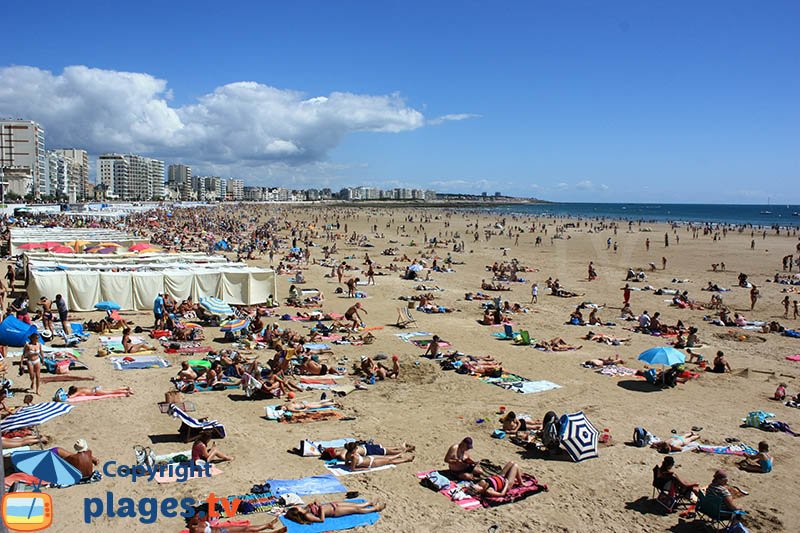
(663, 263)
(785, 303)
(647, 244)
(626, 294)
(754, 295)
(535, 294)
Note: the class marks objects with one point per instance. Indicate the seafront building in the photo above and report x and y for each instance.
(23, 159)
(130, 177)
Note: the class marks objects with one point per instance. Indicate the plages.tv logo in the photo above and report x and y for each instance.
(27, 511)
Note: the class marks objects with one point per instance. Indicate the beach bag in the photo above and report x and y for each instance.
(173, 397)
(551, 437)
(62, 367)
(60, 395)
(435, 481)
(307, 449)
(640, 438)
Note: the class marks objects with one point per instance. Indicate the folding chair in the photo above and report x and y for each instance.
(78, 331)
(404, 318)
(191, 428)
(523, 339)
(710, 507)
(666, 494)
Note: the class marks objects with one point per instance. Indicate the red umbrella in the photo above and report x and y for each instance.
(32, 246)
(51, 244)
(62, 250)
(139, 246)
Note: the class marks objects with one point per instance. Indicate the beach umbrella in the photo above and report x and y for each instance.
(139, 246)
(62, 250)
(107, 306)
(150, 250)
(47, 466)
(236, 324)
(662, 355)
(34, 415)
(110, 245)
(106, 250)
(77, 244)
(48, 245)
(215, 306)
(32, 246)
(579, 436)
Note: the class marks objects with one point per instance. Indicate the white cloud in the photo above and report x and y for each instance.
(452, 117)
(242, 125)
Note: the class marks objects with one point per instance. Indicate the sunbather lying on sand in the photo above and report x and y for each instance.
(603, 338)
(299, 406)
(494, 286)
(75, 392)
(372, 456)
(600, 363)
(30, 440)
(312, 367)
(196, 524)
(556, 345)
(367, 448)
(499, 485)
(675, 443)
(514, 424)
(317, 512)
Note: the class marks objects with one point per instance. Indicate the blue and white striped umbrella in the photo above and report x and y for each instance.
(47, 466)
(34, 415)
(215, 306)
(579, 437)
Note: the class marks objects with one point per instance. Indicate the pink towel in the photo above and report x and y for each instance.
(469, 503)
(793, 357)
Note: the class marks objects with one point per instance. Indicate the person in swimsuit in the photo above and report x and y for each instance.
(760, 462)
(460, 462)
(352, 315)
(512, 424)
(47, 315)
(197, 524)
(498, 485)
(316, 512)
(32, 355)
(130, 346)
(63, 313)
(75, 392)
(720, 364)
(82, 459)
(433, 348)
(201, 451)
(676, 443)
(375, 456)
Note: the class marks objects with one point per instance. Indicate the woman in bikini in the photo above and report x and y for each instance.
(498, 485)
(32, 355)
(197, 524)
(675, 443)
(358, 461)
(317, 512)
(75, 392)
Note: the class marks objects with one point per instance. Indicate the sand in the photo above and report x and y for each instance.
(433, 409)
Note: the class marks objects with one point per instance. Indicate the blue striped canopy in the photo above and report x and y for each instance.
(34, 415)
(215, 306)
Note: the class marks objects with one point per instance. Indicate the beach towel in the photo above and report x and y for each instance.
(317, 346)
(793, 357)
(333, 524)
(76, 399)
(310, 448)
(325, 484)
(257, 503)
(220, 386)
(139, 362)
(65, 377)
(275, 412)
(728, 449)
(614, 370)
(190, 349)
(425, 342)
(339, 468)
(406, 337)
(519, 384)
(163, 477)
(114, 343)
(227, 523)
(455, 493)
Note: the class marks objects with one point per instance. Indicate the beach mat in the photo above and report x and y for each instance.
(317, 346)
(516, 383)
(339, 469)
(333, 524)
(257, 503)
(729, 449)
(469, 503)
(304, 486)
(139, 362)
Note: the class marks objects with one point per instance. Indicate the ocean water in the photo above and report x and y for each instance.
(757, 215)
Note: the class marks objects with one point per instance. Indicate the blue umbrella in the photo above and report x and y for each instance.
(235, 324)
(579, 437)
(47, 466)
(662, 355)
(34, 415)
(215, 306)
(107, 306)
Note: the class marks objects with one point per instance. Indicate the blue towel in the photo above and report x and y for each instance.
(327, 484)
(333, 524)
(317, 346)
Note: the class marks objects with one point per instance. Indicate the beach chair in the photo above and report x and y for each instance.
(523, 339)
(191, 428)
(78, 331)
(404, 318)
(666, 494)
(507, 335)
(70, 340)
(709, 509)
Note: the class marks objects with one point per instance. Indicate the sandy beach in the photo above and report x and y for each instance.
(433, 409)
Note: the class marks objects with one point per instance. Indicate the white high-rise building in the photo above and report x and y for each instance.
(22, 153)
(235, 190)
(131, 177)
(78, 172)
(179, 179)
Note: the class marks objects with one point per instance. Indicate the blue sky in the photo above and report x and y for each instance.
(586, 101)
